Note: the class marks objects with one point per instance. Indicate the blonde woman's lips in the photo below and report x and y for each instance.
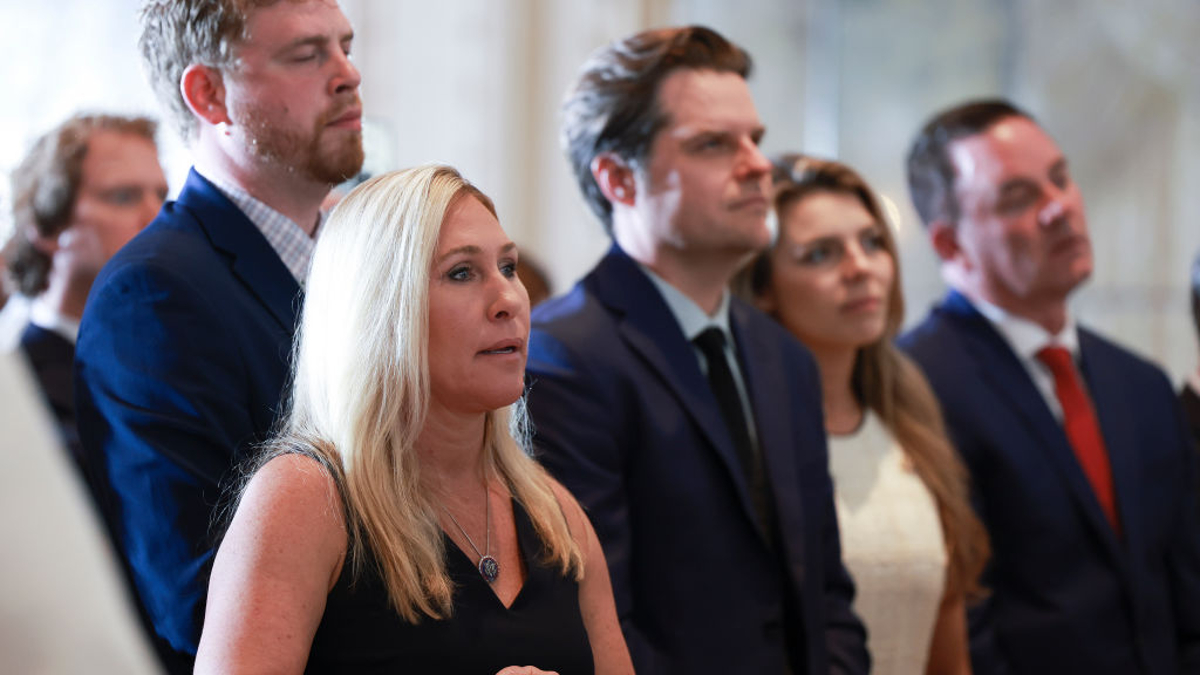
(504, 347)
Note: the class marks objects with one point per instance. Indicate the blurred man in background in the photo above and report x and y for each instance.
(1080, 462)
(83, 191)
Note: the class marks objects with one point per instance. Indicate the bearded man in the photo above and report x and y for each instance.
(183, 346)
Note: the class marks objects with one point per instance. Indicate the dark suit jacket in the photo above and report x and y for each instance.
(181, 361)
(53, 360)
(1190, 400)
(625, 418)
(1069, 596)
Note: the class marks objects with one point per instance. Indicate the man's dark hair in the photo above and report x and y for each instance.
(613, 106)
(46, 184)
(931, 172)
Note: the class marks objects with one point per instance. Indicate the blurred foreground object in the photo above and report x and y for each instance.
(64, 610)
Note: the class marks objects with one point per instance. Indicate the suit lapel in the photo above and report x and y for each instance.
(760, 360)
(252, 260)
(1103, 382)
(997, 366)
(648, 326)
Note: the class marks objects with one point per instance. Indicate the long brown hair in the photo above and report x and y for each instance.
(885, 380)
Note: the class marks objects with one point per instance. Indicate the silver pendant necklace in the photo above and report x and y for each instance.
(489, 569)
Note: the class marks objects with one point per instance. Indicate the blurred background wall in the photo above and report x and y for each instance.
(476, 83)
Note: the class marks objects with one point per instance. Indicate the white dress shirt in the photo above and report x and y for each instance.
(694, 321)
(289, 241)
(1026, 339)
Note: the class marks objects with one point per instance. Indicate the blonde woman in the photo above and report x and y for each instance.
(909, 535)
(396, 525)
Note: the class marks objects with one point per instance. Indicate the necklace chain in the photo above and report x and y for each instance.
(489, 569)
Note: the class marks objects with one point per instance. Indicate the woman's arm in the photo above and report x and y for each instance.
(609, 651)
(280, 558)
(948, 652)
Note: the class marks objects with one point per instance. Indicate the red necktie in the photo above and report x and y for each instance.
(1083, 430)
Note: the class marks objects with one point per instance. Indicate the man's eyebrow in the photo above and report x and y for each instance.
(716, 130)
(315, 41)
(1014, 184)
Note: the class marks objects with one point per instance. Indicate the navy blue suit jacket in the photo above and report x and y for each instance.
(181, 362)
(628, 422)
(1068, 594)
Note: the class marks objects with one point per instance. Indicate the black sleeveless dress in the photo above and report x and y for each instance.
(361, 633)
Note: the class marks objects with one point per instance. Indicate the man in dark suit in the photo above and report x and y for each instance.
(686, 422)
(82, 192)
(1079, 458)
(183, 347)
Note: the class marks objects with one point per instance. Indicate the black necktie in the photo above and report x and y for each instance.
(720, 377)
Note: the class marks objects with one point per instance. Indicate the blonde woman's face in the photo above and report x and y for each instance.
(478, 314)
(831, 273)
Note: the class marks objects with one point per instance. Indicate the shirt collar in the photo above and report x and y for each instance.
(1026, 337)
(289, 241)
(688, 314)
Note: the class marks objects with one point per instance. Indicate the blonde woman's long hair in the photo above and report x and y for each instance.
(361, 388)
(885, 380)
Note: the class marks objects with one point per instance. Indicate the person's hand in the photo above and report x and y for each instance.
(525, 670)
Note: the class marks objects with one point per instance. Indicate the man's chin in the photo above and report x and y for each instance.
(759, 240)
(1079, 273)
(340, 168)
(1068, 282)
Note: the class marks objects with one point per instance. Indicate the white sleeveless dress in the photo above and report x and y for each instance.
(892, 544)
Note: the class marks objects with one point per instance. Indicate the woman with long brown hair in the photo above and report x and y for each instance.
(909, 535)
